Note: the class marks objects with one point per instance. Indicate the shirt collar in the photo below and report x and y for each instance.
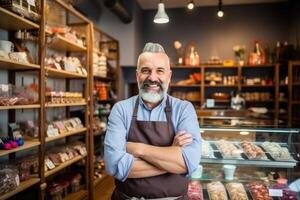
(162, 103)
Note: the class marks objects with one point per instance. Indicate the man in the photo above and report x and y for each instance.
(153, 140)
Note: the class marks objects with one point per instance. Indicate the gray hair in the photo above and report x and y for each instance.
(151, 48)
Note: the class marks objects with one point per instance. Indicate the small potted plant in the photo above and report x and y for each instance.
(239, 52)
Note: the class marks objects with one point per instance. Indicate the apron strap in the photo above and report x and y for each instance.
(134, 115)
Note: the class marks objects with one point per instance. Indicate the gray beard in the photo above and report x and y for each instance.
(152, 97)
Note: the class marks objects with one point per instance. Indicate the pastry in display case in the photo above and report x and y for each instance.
(242, 162)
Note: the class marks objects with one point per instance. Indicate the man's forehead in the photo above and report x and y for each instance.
(154, 59)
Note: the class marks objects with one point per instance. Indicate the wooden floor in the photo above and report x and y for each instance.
(105, 188)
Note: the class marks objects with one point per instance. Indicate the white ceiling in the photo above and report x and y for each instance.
(152, 4)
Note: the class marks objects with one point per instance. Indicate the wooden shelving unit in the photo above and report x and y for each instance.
(55, 73)
(63, 166)
(53, 105)
(12, 22)
(294, 93)
(61, 43)
(31, 106)
(220, 85)
(27, 145)
(13, 65)
(23, 186)
(185, 86)
(64, 135)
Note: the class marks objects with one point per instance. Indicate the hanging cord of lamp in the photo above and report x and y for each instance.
(161, 16)
(220, 9)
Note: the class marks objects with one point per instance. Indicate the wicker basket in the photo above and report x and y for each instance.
(22, 7)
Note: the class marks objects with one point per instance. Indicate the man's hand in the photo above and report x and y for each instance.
(182, 138)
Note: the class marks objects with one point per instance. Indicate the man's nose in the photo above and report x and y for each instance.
(153, 76)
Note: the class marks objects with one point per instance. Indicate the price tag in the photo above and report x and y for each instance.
(275, 193)
(31, 2)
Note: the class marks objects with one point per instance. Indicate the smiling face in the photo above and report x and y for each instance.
(153, 76)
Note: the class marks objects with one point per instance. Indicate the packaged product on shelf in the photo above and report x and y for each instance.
(60, 126)
(55, 191)
(216, 191)
(48, 164)
(236, 191)
(277, 152)
(287, 194)
(252, 151)
(9, 179)
(19, 57)
(55, 158)
(259, 191)
(207, 151)
(29, 128)
(52, 131)
(228, 149)
(195, 191)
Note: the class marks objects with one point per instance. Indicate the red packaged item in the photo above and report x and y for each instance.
(259, 191)
(195, 190)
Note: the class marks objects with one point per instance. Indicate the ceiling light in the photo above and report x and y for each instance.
(191, 5)
(161, 16)
(220, 10)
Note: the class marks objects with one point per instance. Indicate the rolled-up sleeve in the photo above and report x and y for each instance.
(118, 162)
(192, 152)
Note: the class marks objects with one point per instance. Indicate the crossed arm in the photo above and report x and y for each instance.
(152, 160)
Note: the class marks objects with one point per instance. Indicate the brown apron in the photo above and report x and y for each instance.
(157, 133)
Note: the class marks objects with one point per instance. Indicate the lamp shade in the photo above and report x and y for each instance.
(161, 16)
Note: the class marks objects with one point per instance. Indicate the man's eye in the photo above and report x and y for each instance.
(160, 71)
(145, 71)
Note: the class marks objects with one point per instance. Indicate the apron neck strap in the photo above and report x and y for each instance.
(167, 109)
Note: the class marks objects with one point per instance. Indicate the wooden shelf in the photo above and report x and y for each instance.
(220, 66)
(244, 85)
(220, 85)
(259, 101)
(23, 186)
(296, 84)
(13, 65)
(283, 101)
(186, 86)
(63, 165)
(27, 145)
(106, 79)
(50, 72)
(283, 85)
(97, 181)
(69, 133)
(262, 66)
(11, 21)
(60, 43)
(52, 105)
(19, 107)
(295, 102)
(81, 194)
(222, 101)
(185, 67)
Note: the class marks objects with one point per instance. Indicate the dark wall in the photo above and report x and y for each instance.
(294, 22)
(242, 24)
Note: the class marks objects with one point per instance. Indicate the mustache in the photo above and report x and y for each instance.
(147, 83)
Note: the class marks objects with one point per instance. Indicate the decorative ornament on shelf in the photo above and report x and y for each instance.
(258, 56)
(239, 52)
(179, 55)
(191, 56)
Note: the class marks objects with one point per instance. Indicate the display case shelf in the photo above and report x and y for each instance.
(81, 194)
(27, 145)
(23, 186)
(11, 21)
(63, 165)
(55, 73)
(64, 135)
(53, 105)
(98, 180)
(60, 43)
(13, 65)
(259, 163)
(256, 66)
(30, 106)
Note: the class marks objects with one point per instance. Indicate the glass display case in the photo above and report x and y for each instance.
(238, 157)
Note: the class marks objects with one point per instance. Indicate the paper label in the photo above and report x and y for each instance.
(31, 2)
(210, 103)
(5, 88)
(275, 193)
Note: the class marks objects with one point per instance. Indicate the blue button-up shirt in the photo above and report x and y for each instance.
(118, 162)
